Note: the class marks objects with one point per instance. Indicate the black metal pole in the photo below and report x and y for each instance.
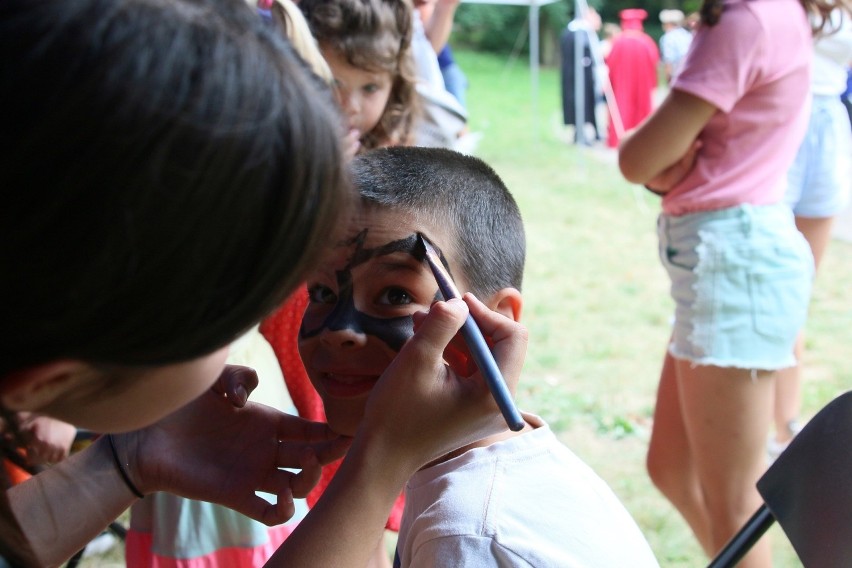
(742, 542)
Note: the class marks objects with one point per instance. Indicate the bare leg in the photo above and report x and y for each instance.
(670, 460)
(817, 231)
(788, 400)
(726, 415)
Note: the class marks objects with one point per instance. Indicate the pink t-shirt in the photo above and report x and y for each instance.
(754, 67)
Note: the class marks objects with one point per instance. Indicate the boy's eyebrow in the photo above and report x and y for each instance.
(408, 264)
(407, 245)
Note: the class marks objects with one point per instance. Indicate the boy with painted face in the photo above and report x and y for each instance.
(513, 499)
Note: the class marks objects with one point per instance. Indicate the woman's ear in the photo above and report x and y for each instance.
(507, 301)
(36, 387)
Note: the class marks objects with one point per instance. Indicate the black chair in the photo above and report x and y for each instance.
(808, 490)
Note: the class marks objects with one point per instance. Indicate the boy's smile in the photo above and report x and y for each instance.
(360, 309)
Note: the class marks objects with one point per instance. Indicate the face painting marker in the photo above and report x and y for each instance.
(476, 343)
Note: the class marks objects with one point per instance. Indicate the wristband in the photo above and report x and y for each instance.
(121, 469)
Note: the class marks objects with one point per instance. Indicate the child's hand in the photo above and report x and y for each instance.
(422, 408)
(351, 144)
(48, 439)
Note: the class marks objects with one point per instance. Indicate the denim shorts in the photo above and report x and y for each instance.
(741, 282)
(818, 181)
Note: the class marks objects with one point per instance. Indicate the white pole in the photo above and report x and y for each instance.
(534, 63)
(582, 7)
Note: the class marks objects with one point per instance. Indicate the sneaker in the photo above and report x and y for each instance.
(775, 448)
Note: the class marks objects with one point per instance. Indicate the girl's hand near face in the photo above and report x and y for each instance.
(351, 144)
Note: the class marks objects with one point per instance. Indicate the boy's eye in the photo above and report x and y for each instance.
(395, 297)
(319, 294)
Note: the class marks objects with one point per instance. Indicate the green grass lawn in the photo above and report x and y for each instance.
(597, 304)
(596, 297)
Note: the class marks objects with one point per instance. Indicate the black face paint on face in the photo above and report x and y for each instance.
(392, 331)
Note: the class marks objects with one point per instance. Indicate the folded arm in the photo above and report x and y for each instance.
(662, 150)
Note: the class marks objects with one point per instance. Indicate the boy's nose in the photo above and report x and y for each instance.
(343, 338)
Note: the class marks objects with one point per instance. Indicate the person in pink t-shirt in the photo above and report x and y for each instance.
(718, 149)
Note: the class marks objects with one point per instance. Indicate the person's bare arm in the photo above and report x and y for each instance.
(217, 448)
(64, 507)
(439, 24)
(664, 146)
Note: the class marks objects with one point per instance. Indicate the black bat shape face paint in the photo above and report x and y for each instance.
(393, 331)
(344, 316)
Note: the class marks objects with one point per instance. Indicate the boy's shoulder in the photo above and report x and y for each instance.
(527, 497)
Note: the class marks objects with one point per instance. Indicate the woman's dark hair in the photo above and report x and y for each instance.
(373, 35)
(168, 170)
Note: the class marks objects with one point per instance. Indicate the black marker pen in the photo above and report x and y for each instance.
(476, 343)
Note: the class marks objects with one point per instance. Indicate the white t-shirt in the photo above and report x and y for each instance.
(525, 501)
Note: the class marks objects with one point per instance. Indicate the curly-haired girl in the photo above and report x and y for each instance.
(367, 44)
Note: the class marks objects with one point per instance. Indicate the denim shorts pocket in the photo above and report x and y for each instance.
(779, 302)
(682, 259)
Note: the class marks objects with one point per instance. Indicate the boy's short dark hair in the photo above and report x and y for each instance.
(456, 191)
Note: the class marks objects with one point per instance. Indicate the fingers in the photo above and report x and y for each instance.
(39, 453)
(286, 486)
(689, 158)
(351, 144)
(298, 429)
(270, 514)
(437, 328)
(291, 454)
(236, 382)
(305, 480)
(508, 338)
(333, 450)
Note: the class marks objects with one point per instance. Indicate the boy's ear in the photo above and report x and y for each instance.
(507, 301)
(36, 387)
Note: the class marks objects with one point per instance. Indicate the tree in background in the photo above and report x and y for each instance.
(500, 29)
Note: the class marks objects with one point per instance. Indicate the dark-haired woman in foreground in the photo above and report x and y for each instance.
(167, 170)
